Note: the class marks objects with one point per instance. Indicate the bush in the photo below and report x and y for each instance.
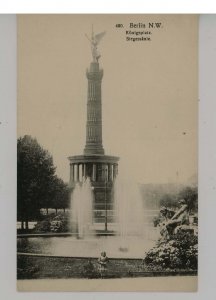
(179, 252)
(53, 223)
(60, 223)
(42, 226)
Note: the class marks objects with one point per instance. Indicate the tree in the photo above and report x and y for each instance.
(168, 200)
(60, 194)
(190, 194)
(35, 174)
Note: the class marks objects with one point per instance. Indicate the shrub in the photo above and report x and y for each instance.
(42, 226)
(179, 252)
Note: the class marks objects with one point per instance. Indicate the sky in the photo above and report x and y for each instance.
(149, 91)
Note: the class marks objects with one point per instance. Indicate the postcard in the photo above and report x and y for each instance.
(107, 188)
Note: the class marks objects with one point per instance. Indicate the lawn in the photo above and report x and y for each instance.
(41, 267)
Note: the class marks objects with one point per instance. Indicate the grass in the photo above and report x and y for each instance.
(41, 267)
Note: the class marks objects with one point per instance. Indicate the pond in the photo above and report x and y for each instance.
(115, 246)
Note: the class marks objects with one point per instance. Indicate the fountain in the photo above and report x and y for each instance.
(129, 241)
(129, 212)
(81, 208)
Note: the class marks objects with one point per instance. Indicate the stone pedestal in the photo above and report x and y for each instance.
(102, 171)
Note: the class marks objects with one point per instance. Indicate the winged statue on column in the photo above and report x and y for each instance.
(95, 40)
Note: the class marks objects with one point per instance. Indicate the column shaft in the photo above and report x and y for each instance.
(94, 172)
(72, 173)
(83, 172)
(78, 172)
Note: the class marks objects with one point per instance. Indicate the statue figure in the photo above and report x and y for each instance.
(95, 40)
(103, 260)
(181, 217)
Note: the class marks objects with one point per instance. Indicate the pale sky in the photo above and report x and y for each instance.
(149, 91)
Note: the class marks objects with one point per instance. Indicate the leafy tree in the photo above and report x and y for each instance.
(168, 200)
(35, 174)
(190, 194)
(60, 194)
